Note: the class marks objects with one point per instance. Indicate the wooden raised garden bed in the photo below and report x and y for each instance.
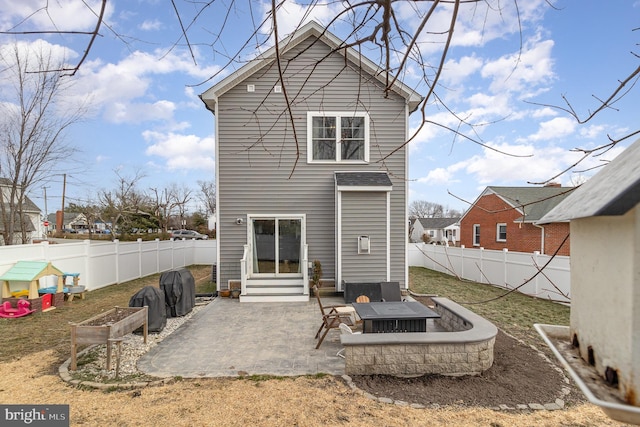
(107, 328)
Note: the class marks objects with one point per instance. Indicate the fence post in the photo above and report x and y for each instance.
(139, 240)
(157, 255)
(87, 257)
(536, 265)
(116, 248)
(481, 266)
(504, 267)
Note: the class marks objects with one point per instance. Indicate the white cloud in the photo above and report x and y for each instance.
(128, 91)
(554, 129)
(495, 168)
(592, 132)
(477, 24)
(181, 152)
(455, 72)
(151, 25)
(33, 53)
(59, 15)
(522, 71)
(291, 15)
(139, 112)
(544, 112)
(436, 176)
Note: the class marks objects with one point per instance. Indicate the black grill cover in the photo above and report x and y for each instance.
(153, 298)
(179, 291)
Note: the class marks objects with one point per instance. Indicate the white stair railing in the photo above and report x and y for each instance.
(244, 272)
(305, 269)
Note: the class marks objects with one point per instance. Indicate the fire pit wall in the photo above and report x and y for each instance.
(465, 348)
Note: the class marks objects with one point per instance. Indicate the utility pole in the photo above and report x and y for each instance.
(60, 223)
(64, 188)
(46, 212)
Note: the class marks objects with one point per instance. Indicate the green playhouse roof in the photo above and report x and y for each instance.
(26, 271)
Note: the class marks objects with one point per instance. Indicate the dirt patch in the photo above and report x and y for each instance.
(520, 375)
(301, 401)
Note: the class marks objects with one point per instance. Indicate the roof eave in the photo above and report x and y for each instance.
(210, 96)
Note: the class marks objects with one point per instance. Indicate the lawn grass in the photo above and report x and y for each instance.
(514, 313)
(50, 330)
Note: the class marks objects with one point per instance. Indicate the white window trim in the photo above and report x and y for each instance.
(337, 115)
(498, 239)
(476, 226)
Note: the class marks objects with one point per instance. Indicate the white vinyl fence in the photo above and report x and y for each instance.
(506, 269)
(105, 263)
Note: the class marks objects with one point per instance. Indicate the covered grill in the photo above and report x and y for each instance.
(179, 289)
(153, 298)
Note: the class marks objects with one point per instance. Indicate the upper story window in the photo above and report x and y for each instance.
(501, 232)
(337, 137)
(476, 234)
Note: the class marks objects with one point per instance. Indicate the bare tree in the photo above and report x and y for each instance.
(182, 196)
(208, 195)
(119, 206)
(163, 202)
(33, 124)
(424, 209)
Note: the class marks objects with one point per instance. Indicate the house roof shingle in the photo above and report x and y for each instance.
(363, 179)
(437, 223)
(613, 191)
(533, 202)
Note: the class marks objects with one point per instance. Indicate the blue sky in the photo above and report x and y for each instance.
(146, 115)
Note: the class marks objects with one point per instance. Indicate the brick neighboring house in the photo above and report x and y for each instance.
(505, 218)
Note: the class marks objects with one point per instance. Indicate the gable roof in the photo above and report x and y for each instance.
(27, 206)
(437, 223)
(311, 29)
(532, 202)
(613, 191)
(26, 271)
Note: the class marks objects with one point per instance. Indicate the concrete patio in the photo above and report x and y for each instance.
(227, 339)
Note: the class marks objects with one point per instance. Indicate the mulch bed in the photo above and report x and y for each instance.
(519, 375)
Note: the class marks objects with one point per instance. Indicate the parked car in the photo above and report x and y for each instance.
(188, 234)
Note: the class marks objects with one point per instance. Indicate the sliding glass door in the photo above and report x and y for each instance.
(277, 246)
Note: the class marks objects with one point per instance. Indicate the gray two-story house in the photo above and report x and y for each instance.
(310, 165)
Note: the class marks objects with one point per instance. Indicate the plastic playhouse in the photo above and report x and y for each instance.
(30, 273)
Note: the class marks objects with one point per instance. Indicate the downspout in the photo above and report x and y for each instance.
(541, 237)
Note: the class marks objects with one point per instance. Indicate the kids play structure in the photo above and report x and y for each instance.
(29, 273)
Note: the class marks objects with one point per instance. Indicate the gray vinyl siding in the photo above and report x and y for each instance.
(261, 169)
(370, 267)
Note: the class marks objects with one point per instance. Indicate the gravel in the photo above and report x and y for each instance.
(93, 362)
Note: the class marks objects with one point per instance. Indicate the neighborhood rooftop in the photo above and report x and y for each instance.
(612, 191)
(534, 202)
